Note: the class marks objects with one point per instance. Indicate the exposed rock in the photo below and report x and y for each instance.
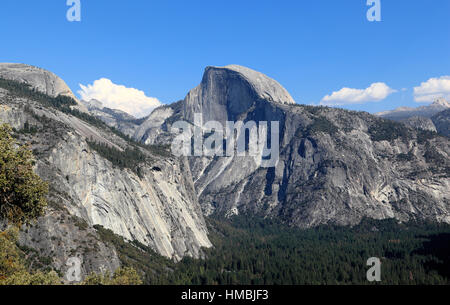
(428, 111)
(335, 166)
(441, 102)
(159, 208)
(227, 92)
(93, 104)
(418, 122)
(118, 119)
(155, 128)
(60, 237)
(39, 79)
(442, 122)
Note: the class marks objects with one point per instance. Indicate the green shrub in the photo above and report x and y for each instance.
(386, 130)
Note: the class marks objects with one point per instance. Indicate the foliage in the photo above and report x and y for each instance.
(128, 158)
(25, 91)
(80, 223)
(405, 157)
(122, 276)
(138, 256)
(386, 130)
(250, 250)
(433, 156)
(254, 251)
(321, 124)
(22, 192)
(28, 129)
(162, 150)
(12, 265)
(64, 104)
(22, 199)
(425, 135)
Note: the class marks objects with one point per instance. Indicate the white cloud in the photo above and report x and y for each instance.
(345, 96)
(432, 89)
(130, 100)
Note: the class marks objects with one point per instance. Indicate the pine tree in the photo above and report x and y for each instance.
(22, 192)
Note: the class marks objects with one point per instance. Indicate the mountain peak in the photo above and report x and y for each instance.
(226, 92)
(441, 102)
(92, 104)
(264, 86)
(40, 79)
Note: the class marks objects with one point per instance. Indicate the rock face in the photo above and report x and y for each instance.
(418, 122)
(155, 205)
(39, 79)
(227, 92)
(61, 237)
(113, 117)
(442, 122)
(155, 126)
(335, 166)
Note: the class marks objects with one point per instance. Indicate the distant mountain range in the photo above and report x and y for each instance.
(433, 117)
(97, 176)
(424, 111)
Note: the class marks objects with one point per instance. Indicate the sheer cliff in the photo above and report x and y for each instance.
(94, 180)
(335, 166)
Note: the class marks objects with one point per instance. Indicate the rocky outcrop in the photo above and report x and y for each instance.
(335, 166)
(434, 117)
(422, 123)
(227, 92)
(39, 79)
(118, 119)
(442, 122)
(155, 129)
(59, 237)
(154, 204)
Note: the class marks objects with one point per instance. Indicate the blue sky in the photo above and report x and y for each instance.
(313, 48)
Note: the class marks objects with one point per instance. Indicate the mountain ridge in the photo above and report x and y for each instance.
(335, 166)
(427, 111)
(153, 203)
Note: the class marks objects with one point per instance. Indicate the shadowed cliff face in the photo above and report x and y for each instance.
(39, 79)
(227, 92)
(335, 166)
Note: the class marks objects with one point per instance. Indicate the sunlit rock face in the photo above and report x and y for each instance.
(155, 205)
(422, 123)
(335, 166)
(42, 80)
(227, 92)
